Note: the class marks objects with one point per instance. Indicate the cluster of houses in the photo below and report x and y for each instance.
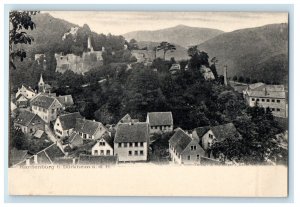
(77, 140)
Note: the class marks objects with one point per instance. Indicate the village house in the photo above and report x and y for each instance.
(160, 122)
(47, 107)
(104, 146)
(89, 129)
(174, 68)
(29, 122)
(207, 73)
(66, 101)
(208, 135)
(74, 140)
(127, 119)
(26, 92)
(22, 101)
(143, 56)
(47, 156)
(132, 141)
(65, 123)
(184, 149)
(268, 96)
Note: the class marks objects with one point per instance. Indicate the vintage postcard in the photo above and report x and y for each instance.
(148, 103)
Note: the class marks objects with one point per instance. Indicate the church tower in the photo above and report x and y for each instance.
(41, 85)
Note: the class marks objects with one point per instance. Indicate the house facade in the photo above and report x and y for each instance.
(184, 149)
(89, 129)
(104, 146)
(160, 122)
(267, 96)
(131, 142)
(22, 101)
(46, 107)
(29, 122)
(65, 124)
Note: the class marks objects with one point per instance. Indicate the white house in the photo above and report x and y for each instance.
(104, 146)
(65, 124)
(27, 92)
(89, 129)
(160, 122)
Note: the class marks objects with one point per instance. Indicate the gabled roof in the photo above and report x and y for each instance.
(74, 136)
(53, 152)
(109, 140)
(125, 119)
(225, 131)
(68, 121)
(202, 130)
(43, 101)
(66, 100)
(87, 126)
(268, 91)
(21, 96)
(90, 160)
(17, 156)
(160, 118)
(137, 132)
(25, 118)
(180, 140)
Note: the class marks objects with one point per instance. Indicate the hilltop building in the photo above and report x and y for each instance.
(272, 96)
(79, 64)
(207, 73)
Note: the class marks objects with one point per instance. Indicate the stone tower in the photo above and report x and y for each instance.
(225, 75)
(41, 85)
(90, 47)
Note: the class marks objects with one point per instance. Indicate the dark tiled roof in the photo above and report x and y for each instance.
(43, 101)
(68, 121)
(54, 151)
(74, 136)
(97, 160)
(137, 132)
(202, 130)
(43, 158)
(180, 140)
(17, 156)
(87, 126)
(25, 118)
(125, 119)
(66, 100)
(225, 131)
(160, 118)
(108, 139)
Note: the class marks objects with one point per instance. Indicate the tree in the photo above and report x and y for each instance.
(198, 58)
(133, 45)
(19, 22)
(213, 67)
(241, 79)
(235, 78)
(165, 47)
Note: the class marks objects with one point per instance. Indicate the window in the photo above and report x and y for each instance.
(268, 100)
(210, 136)
(136, 144)
(107, 152)
(278, 101)
(84, 136)
(189, 157)
(135, 152)
(80, 133)
(278, 109)
(101, 152)
(142, 144)
(119, 144)
(130, 144)
(129, 153)
(257, 99)
(273, 100)
(44, 110)
(102, 143)
(141, 152)
(253, 99)
(53, 110)
(125, 144)
(96, 152)
(198, 157)
(193, 147)
(263, 100)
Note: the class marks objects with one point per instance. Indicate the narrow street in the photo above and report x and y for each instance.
(53, 138)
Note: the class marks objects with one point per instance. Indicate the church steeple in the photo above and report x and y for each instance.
(41, 85)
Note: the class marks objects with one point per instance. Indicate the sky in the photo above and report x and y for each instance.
(119, 23)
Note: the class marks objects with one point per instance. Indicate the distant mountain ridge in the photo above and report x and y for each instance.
(259, 53)
(182, 35)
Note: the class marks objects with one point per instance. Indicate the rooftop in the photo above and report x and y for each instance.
(160, 118)
(137, 132)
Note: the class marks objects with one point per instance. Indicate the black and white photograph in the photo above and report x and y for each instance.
(113, 90)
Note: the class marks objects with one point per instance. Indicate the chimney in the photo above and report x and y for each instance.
(35, 159)
(66, 98)
(266, 92)
(225, 75)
